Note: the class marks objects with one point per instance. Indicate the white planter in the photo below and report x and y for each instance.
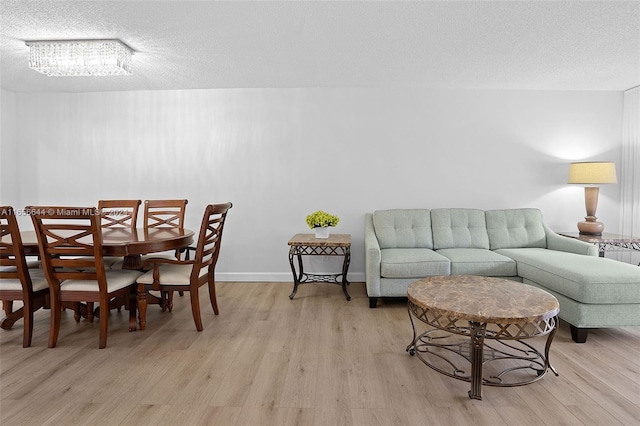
(322, 232)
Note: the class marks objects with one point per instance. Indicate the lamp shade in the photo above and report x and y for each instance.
(598, 172)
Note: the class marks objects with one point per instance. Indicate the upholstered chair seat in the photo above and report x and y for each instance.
(38, 282)
(116, 279)
(171, 275)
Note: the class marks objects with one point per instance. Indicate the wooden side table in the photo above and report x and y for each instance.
(308, 245)
(606, 241)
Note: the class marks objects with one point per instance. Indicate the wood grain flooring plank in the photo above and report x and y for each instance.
(314, 360)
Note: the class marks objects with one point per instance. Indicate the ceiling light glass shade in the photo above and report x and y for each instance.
(592, 173)
(80, 57)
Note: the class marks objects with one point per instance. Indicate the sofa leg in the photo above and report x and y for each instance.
(579, 335)
(373, 302)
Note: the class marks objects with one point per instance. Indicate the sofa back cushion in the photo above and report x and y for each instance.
(516, 228)
(403, 228)
(459, 228)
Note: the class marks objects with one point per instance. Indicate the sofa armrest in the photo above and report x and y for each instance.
(571, 245)
(372, 257)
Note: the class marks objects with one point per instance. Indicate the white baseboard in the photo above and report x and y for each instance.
(273, 276)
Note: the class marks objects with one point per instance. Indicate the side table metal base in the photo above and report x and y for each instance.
(320, 278)
(474, 354)
(307, 245)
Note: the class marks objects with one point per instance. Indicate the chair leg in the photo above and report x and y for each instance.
(76, 311)
(195, 308)
(54, 322)
(170, 300)
(28, 309)
(90, 311)
(163, 300)
(104, 323)
(212, 296)
(186, 257)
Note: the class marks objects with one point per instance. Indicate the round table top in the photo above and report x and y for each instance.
(483, 299)
(120, 241)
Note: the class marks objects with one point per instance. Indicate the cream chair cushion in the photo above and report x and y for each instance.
(31, 264)
(171, 274)
(38, 281)
(116, 279)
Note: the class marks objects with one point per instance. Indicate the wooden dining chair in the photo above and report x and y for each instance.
(165, 214)
(168, 275)
(70, 243)
(118, 214)
(17, 281)
(115, 214)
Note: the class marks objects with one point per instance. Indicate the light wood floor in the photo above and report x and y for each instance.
(316, 360)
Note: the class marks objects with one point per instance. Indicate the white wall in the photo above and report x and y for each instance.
(8, 149)
(280, 154)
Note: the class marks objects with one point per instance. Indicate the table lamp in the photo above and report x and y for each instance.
(591, 174)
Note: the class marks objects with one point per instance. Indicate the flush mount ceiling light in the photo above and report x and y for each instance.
(80, 57)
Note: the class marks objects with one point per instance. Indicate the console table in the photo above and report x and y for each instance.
(308, 245)
(606, 241)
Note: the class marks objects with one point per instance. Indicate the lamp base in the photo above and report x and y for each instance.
(590, 226)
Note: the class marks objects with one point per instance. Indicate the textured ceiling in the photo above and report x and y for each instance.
(538, 45)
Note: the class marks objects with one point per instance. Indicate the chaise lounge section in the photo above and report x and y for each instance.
(404, 245)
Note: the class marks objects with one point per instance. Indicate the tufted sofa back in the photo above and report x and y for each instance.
(403, 228)
(516, 228)
(459, 228)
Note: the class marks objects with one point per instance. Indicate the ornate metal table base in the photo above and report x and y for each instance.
(482, 353)
(308, 245)
(480, 362)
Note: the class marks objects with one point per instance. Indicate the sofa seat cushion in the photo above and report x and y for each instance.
(586, 279)
(469, 261)
(412, 263)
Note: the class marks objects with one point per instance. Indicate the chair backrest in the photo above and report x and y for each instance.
(70, 243)
(164, 213)
(119, 213)
(13, 263)
(210, 236)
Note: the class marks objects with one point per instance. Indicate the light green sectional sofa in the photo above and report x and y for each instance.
(404, 245)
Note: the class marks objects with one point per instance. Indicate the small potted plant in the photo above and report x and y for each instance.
(320, 221)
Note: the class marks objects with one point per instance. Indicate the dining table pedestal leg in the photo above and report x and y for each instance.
(11, 317)
(133, 303)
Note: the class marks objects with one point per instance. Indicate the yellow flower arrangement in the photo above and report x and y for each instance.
(321, 219)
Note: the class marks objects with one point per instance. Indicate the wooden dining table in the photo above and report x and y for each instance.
(131, 244)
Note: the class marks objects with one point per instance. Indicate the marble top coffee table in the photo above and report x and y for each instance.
(479, 323)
